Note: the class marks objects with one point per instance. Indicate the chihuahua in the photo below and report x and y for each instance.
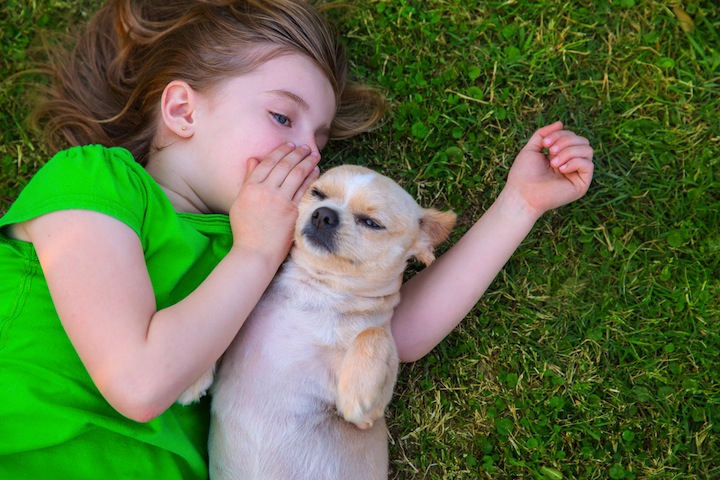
(302, 390)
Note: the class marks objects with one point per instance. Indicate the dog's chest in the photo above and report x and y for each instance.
(293, 313)
(298, 335)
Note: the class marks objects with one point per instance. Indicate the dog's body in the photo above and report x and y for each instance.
(275, 401)
(302, 390)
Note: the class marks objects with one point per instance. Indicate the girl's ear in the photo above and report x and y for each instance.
(435, 227)
(178, 108)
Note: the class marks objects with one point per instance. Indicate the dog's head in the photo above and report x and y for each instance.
(357, 229)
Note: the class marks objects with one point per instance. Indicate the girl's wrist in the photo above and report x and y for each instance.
(513, 204)
(258, 258)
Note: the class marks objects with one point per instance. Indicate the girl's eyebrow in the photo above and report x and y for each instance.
(292, 97)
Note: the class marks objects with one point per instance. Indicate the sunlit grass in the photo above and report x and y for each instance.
(596, 352)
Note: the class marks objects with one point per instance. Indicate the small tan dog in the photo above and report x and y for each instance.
(302, 390)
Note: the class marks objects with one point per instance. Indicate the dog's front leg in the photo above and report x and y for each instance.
(367, 377)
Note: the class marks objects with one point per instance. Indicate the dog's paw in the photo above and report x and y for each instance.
(197, 389)
(367, 377)
(361, 414)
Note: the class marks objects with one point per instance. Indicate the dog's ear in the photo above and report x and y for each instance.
(435, 227)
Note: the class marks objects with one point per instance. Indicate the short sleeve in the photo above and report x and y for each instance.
(106, 180)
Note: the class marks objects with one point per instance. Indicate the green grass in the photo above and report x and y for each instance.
(596, 352)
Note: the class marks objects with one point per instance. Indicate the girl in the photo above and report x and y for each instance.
(130, 261)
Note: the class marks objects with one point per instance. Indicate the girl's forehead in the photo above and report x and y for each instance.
(293, 65)
(287, 73)
(297, 79)
(288, 81)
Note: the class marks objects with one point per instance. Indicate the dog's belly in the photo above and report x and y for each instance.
(274, 407)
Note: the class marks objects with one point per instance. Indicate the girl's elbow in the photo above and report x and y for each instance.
(410, 357)
(141, 405)
(411, 353)
(140, 413)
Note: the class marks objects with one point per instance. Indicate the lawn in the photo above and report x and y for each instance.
(596, 352)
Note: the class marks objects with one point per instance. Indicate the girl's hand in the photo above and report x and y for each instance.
(264, 213)
(547, 181)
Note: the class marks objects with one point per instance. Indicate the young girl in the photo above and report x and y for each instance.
(130, 261)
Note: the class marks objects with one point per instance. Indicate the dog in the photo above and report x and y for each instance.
(302, 390)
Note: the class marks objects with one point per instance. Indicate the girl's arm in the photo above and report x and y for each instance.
(435, 300)
(141, 359)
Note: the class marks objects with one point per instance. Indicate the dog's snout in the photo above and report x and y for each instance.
(322, 228)
(325, 217)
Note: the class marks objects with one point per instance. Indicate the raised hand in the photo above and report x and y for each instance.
(554, 168)
(264, 213)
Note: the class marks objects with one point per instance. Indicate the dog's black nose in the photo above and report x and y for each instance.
(325, 217)
(322, 228)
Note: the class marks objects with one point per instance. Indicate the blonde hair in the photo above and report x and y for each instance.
(107, 90)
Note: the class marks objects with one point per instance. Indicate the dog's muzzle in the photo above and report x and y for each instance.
(321, 230)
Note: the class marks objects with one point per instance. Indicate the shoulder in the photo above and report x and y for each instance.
(92, 177)
(92, 162)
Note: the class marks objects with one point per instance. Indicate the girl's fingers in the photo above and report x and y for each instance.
(550, 129)
(252, 165)
(291, 181)
(265, 166)
(563, 139)
(579, 165)
(286, 168)
(536, 142)
(314, 174)
(557, 160)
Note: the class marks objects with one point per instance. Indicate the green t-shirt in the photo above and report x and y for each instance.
(54, 423)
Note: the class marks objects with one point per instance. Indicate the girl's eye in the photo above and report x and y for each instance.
(368, 222)
(281, 119)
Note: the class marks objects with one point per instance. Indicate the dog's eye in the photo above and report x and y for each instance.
(318, 194)
(368, 222)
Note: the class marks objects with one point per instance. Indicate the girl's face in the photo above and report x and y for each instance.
(287, 99)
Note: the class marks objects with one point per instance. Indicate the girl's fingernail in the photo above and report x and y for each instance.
(291, 144)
